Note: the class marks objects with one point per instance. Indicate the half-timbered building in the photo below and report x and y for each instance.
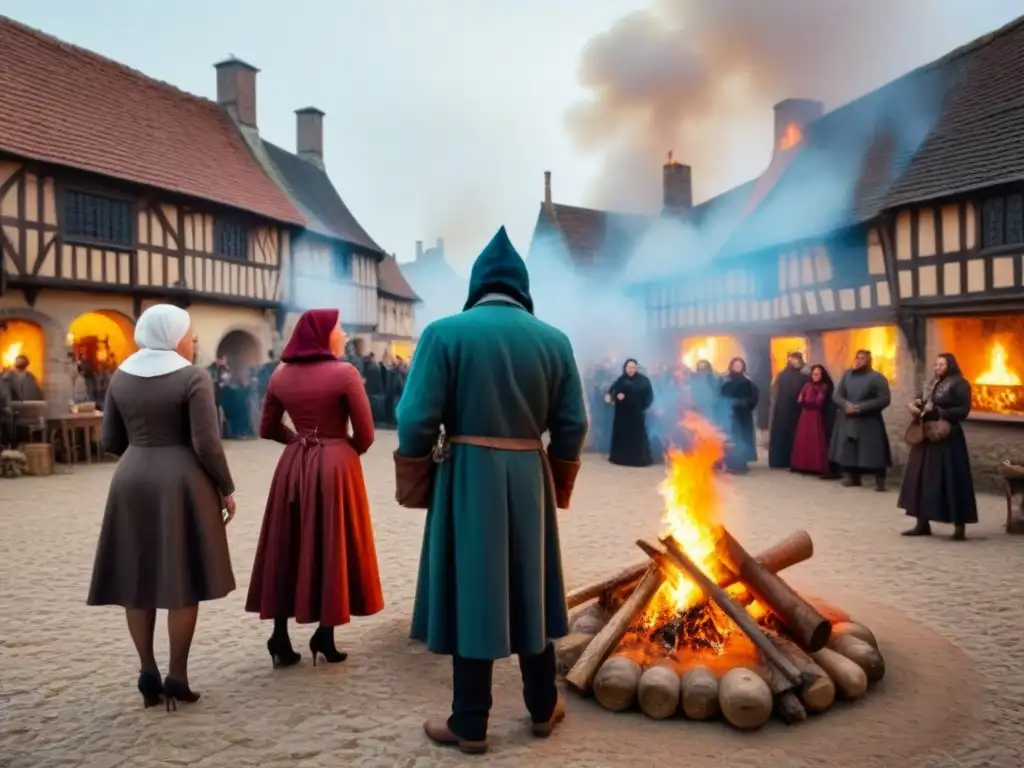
(335, 262)
(893, 223)
(116, 192)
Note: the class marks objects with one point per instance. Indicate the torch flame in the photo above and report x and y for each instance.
(791, 136)
(999, 373)
(11, 354)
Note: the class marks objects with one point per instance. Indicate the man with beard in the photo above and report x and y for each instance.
(785, 411)
(22, 385)
(859, 442)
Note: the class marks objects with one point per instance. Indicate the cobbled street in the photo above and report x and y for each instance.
(949, 617)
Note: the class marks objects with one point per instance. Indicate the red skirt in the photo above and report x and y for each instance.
(810, 445)
(316, 560)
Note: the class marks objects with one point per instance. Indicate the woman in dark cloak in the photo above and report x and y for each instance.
(739, 399)
(814, 427)
(937, 485)
(786, 412)
(631, 395)
(705, 391)
(316, 560)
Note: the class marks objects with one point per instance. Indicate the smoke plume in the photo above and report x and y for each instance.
(701, 76)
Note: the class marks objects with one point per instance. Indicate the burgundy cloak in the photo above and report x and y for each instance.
(316, 560)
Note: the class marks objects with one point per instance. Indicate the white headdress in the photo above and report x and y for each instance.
(158, 331)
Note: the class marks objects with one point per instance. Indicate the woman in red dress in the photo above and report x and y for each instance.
(316, 560)
(810, 446)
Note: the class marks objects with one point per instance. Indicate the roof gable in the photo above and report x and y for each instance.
(392, 282)
(312, 190)
(74, 108)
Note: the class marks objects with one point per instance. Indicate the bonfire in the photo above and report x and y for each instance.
(703, 628)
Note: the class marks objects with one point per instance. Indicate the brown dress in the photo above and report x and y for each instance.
(316, 559)
(163, 543)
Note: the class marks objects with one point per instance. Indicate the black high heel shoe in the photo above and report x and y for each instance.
(322, 642)
(151, 688)
(281, 652)
(175, 691)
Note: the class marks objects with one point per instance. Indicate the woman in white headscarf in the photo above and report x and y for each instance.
(163, 544)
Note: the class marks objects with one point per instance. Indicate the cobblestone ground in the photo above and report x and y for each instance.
(949, 617)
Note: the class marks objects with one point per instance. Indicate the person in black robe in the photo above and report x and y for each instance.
(631, 395)
(739, 399)
(937, 484)
(785, 411)
(859, 444)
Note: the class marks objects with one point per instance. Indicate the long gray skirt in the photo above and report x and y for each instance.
(163, 542)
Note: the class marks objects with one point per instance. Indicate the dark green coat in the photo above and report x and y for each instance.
(490, 579)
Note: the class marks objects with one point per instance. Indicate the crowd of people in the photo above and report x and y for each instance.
(469, 439)
(817, 427)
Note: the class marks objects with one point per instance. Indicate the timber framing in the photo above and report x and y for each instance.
(171, 253)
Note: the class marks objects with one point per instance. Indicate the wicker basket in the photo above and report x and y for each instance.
(40, 458)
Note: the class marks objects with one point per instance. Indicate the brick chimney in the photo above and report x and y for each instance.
(419, 250)
(792, 117)
(309, 135)
(236, 90)
(440, 247)
(547, 188)
(677, 195)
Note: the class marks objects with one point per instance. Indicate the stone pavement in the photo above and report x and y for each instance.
(950, 619)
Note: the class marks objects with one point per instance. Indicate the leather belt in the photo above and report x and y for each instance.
(498, 443)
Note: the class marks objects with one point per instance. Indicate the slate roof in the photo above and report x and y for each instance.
(312, 190)
(391, 281)
(65, 105)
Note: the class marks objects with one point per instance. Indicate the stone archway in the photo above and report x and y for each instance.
(52, 367)
(241, 348)
(104, 336)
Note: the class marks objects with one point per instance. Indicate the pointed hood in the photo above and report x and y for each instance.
(499, 269)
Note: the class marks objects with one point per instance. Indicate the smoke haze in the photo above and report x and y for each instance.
(701, 77)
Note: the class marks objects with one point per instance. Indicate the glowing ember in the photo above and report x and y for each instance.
(11, 354)
(791, 136)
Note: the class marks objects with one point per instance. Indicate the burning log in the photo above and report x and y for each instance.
(568, 650)
(850, 680)
(699, 694)
(658, 691)
(745, 699)
(581, 676)
(864, 655)
(819, 693)
(855, 630)
(794, 549)
(616, 683)
(809, 627)
(735, 612)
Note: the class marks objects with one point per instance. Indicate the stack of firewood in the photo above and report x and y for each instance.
(804, 659)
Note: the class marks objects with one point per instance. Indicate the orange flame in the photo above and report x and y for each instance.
(791, 136)
(11, 354)
(999, 373)
(691, 494)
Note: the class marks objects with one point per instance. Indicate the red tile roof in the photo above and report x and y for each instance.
(68, 106)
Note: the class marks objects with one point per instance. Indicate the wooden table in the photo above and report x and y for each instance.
(86, 424)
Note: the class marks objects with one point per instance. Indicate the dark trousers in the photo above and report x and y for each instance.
(471, 695)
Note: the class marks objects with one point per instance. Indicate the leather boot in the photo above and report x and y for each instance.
(437, 730)
(851, 480)
(543, 730)
(959, 532)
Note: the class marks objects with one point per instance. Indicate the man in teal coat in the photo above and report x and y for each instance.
(490, 580)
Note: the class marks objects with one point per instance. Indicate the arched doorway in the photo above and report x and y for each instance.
(98, 342)
(102, 338)
(23, 337)
(242, 352)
